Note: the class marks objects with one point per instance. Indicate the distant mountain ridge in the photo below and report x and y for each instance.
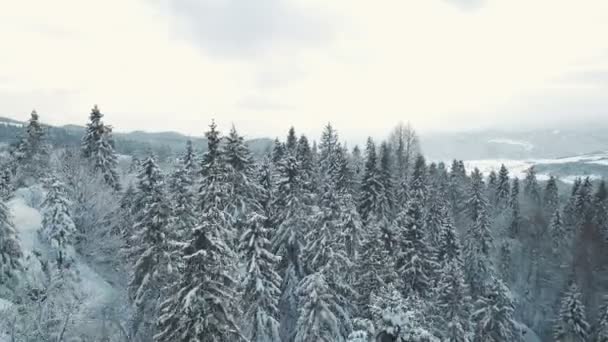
(131, 143)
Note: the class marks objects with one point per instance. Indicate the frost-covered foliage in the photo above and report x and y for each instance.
(98, 148)
(306, 243)
(149, 247)
(57, 225)
(10, 248)
(571, 324)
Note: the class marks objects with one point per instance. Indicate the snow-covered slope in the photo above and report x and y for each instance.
(27, 220)
(567, 169)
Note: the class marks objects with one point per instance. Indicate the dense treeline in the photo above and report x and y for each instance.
(312, 242)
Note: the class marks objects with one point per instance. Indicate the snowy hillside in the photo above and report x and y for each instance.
(592, 165)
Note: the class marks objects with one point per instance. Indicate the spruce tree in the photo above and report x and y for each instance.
(531, 187)
(6, 186)
(32, 152)
(10, 248)
(414, 259)
(261, 283)
(292, 141)
(240, 179)
(453, 303)
(386, 177)
(551, 196)
(503, 189)
(601, 329)
(188, 159)
(493, 316)
(478, 240)
(98, 148)
(448, 244)
(371, 200)
(571, 324)
(202, 306)
(278, 151)
(57, 225)
(150, 248)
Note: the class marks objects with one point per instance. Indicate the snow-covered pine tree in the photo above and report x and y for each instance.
(415, 264)
(453, 303)
(493, 315)
(374, 269)
(386, 177)
(202, 306)
(503, 187)
(478, 240)
(57, 225)
(532, 190)
(514, 226)
(188, 159)
(601, 328)
(150, 248)
(291, 144)
(328, 154)
(292, 220)
(183, 209)
(32, 152)
(371, 198)
(98, 148)
(492, 188)
(278, 151)
(448, 244)
(261, 283)
(240, 180)
(571, 324)
(10, 248)
(317, 320)
(6, 186)
(551, 196)
(304, 157)
(326, 264)
(558, 233)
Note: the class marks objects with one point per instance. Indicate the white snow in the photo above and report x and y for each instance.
(27, 220)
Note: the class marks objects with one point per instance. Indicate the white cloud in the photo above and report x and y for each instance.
(362, 65)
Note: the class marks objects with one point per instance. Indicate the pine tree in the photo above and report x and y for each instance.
(371, 200)
(31, 153)
(239, 176)
(503, 190)
(262, 283)
(98, 148)
(558, 232)
(183, 216)
(493, 316)
(386, 177)
(478, 240)
(453, 303)
(304, 157)
(601, 329)
(531, 187)
(414, 259)
(551, 195)
(329, 148)
(492, 189)
(318, 320)
(202, 305)
(292, 141)
(448, 245)
(150, 248)
(188, 159)
(514, 227)
(374, 268)
(571, 325)
(57, 225)
(6, 186)
(278, 151)
(10, 248)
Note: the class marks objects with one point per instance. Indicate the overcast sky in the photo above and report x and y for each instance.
(267, 64)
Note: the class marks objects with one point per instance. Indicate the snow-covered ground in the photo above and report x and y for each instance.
(27, 220)
(518, 167)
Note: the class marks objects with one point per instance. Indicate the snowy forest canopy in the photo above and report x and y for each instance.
(314, 241)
